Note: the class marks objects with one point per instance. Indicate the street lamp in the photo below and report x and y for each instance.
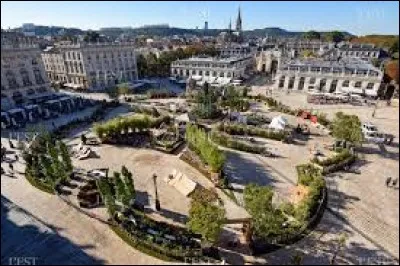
(157, 201)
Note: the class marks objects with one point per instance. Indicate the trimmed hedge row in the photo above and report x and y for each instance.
(239, 129)
(340, 157)
(229, 142)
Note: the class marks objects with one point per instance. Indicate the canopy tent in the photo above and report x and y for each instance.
(182, 183)
(278, 123)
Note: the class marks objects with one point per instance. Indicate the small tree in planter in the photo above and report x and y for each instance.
(206, 219)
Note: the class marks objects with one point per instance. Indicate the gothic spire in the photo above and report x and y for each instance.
(239, 21)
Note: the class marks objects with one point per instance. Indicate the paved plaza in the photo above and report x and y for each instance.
(359, 205)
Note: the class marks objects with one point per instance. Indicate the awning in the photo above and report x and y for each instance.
(195, 77)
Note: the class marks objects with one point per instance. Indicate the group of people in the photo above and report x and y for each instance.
(10, 164)
(391, 182)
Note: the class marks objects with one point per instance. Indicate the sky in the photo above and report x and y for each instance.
(360, 18)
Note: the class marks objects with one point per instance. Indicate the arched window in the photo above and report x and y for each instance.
(312, 80)
(207, 73)
(221, 74)
(357, 84)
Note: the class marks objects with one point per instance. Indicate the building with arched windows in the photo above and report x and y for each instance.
(348, 75)
(23, 76)
(218, 70)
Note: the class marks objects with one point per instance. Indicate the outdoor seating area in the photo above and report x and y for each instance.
(58, 105)
(338, 98)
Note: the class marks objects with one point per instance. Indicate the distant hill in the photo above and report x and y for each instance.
(389, 42)
(164, 31)
(53, 30)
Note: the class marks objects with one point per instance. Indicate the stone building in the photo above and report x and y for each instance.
(347, 75)
(91, 66)
(23, 76)
(365, 51)
(268, 60)
(212, 69)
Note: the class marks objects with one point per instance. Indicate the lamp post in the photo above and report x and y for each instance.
(157, 201)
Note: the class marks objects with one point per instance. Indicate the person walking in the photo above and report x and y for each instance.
(388, 181)
(11, 169)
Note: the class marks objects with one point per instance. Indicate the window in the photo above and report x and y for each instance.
(12, 82)
(200, 73)
(25, 77)
(207, 73)
(221, 74)
(346, 83)
(291, 82)
(38, 77)
(358, 84)
(370, 86)
(214, 74)
(312, 80)
(30, 92)
(281, 82)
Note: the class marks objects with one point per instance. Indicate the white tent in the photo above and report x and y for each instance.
(278, 123)
(182, 183)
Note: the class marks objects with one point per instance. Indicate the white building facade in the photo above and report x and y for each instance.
(218, 70)
(329, 76)
(91, 66)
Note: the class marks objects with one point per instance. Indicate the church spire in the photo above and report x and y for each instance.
(239, 21)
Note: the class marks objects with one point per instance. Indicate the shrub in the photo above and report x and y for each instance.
(201, 145)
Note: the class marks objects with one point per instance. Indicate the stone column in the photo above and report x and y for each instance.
(286, 83)
(328, 85)
(306, 83)
(296, 83)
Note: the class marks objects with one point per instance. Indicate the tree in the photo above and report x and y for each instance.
(119, 187)
(347, 127)
(206, 219)
(66, 158)
(307, 53)
(335, 36)
(91, 36)
(258, 202)
(123, 89)
(311, 35)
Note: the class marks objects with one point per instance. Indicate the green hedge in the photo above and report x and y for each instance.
(39, 185)
(207, 151)
(140, 245)
(340, 157)
(227, 141)
(114, 127)
(240, 129)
